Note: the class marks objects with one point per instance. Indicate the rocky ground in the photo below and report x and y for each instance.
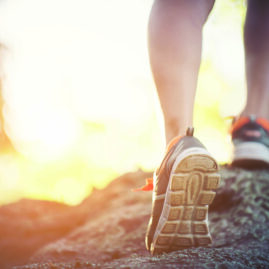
(107, 230)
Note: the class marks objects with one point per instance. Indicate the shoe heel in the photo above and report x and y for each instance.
(191, 188)
(195, 180)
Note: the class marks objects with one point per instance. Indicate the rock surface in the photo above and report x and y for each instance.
(107, 230)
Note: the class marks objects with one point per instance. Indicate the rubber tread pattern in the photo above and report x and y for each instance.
(191, 190)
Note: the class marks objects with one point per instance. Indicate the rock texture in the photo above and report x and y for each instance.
(107, 230)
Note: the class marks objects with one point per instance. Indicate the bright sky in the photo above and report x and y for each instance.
(69, 60)
(79, 91)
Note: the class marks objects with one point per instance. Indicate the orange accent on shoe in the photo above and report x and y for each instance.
(169, 146)
(148, 186)
(239, 123)
(264, 123)
(172, 143)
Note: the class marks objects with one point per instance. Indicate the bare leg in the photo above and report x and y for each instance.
(257, 58)
(175, 41)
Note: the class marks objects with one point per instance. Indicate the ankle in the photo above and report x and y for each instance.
(175, 128)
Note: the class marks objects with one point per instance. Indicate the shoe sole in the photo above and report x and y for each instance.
(184, 219)
(251, 155)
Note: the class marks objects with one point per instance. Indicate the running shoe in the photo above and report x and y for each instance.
(183, 187)
(250, 136)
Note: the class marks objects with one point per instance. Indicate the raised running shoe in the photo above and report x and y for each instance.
(250, 136)
(183, 187)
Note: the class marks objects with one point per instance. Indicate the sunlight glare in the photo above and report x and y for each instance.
(80, 102)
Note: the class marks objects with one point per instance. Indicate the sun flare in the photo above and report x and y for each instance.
(80, 103)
